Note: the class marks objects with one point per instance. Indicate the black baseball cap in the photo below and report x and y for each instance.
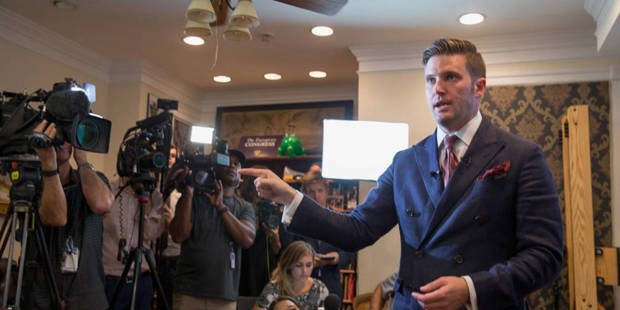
(238, 154)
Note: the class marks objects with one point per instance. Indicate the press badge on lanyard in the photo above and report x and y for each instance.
(70, 257)
(232, 254)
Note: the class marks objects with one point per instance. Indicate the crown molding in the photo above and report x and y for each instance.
(496, 50)
(606, 14)
(34, 37)
(274, 96)
(572, 75)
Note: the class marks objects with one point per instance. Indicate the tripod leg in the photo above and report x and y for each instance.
(22, 260)
(136, 277)
(7, 275)
(51, 279)
(3, 232)
(123, 278)
(160, 289)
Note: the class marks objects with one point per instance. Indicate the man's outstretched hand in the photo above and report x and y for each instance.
(270, 186)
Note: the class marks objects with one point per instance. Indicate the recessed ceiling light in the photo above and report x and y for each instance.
(317, 74)
(63, 4)
(193, 40)
(322, 31)
(221, 79)
(471, 18)
(272, 76)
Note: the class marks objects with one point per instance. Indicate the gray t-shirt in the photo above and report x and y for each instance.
(209, 265)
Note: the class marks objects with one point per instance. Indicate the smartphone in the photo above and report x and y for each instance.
(328, 257)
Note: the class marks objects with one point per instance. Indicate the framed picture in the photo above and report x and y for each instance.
(181, 130)
(304, 120)
(151, 105)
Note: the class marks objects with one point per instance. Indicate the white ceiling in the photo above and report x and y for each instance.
(123, 30)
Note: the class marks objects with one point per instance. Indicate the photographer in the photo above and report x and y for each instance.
(120, 228)
(71, 208)
(259, 260)
(212, 228)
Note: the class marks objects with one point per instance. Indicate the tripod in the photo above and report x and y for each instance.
(135, 255)
(25, 179)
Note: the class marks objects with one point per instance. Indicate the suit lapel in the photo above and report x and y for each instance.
(426, 159)
(483, 148)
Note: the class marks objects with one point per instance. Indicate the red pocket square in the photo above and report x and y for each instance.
(496, 172)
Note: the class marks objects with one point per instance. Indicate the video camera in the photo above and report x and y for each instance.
(146, 146)
(67, 105)
(202, 166)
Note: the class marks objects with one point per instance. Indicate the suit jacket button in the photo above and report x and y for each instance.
(419, 253)
(458, 259)
(479, 219)
(412, 213)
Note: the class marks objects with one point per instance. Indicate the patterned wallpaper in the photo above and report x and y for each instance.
(534, 112)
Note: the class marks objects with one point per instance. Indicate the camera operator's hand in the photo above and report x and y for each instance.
(272, 233)
(270, 186)
(79, 156)
(47, 156)
(217, 198)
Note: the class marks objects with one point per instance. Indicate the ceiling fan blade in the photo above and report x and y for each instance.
(327, 7)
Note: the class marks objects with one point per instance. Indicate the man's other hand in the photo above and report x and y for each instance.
(443, 293)
(47, 156)
(270, 186)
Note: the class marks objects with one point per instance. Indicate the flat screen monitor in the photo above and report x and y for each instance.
(361, 150)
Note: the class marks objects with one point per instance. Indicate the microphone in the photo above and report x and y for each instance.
(332, 302)
(435, 174)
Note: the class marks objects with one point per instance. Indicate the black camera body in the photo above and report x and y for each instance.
(67, 105)
(146, 146)
(203, 176)
(268, 213)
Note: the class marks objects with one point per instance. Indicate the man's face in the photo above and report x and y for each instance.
(63, 153)
(318, 192)
(452, 95)
(229, 175)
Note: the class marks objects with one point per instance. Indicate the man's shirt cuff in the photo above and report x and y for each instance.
(473, 300)
(289, 209)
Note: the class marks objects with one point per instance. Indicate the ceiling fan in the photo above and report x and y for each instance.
(326, 7)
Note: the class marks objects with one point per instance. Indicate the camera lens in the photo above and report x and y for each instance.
(159, 160)
(87, 133)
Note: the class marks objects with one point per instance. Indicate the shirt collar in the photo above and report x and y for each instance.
(466, 133)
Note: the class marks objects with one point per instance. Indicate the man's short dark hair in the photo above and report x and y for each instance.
(474, 62)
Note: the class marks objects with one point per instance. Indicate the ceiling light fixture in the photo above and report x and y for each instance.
(243, 17)
(322, 31)
(201, 11)
(471, 18)
(221, 79)
(272, 76)
(197, 29)
(317, 74)
(193, 40)
(237, 33)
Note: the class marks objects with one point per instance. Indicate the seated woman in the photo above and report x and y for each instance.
(292, 278)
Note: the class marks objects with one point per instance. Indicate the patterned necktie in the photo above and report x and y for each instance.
(449, 161)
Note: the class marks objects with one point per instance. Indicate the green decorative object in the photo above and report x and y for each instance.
(291, 147)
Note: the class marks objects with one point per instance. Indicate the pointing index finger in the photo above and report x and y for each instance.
(262, 173)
